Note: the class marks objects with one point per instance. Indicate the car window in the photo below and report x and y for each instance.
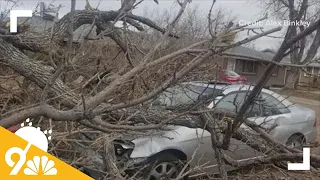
(233, 101)
(204, 90)
(177, 96)
(272, 106)
(185, 95)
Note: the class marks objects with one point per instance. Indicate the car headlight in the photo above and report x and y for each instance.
(119, 150)
(122, 147)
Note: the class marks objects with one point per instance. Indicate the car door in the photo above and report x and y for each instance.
(237, 150)
(232, 102)
(205, 159)
(273, 111)
(274, 115)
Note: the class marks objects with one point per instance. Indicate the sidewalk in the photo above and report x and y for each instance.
(300, 100)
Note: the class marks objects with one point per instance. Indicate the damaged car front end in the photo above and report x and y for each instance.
(123, 150)
(158, 155)
(164, 156)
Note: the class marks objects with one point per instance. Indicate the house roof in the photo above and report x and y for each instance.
(264, 55)
(39, 24)
(248, 53)
(313, 64)
(245, 52)
(287, 60)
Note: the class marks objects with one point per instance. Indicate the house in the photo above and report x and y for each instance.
(308, 75)
(37, 23)
(41, 24)
(251, 64)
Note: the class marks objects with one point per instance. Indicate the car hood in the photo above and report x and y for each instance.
(174, 134)
(175, 138)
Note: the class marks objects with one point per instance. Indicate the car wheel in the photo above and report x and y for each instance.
(164, 167)
(296, 141)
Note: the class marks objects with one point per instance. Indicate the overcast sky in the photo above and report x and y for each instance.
(245, 10)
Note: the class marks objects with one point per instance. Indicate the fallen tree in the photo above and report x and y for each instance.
(99, 110)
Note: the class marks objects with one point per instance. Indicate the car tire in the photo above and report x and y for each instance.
(296, 141)
(164, 166)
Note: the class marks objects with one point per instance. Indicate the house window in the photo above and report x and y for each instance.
(249, 67)
(312, 71)
(309, 70)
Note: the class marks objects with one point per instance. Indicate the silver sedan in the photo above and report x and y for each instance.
(162, 154)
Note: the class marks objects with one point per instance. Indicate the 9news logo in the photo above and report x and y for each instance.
(37, 138)
(24, 156)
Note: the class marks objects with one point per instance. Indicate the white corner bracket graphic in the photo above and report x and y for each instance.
(14, 14)
(305, 165)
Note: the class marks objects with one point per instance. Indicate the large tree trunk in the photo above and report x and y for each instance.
(34, 71)
(292, 78)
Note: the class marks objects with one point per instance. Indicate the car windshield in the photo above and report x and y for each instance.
(185, 95)
(231, 73)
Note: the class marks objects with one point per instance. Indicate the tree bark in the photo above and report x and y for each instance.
(34, 71)
(292, 78)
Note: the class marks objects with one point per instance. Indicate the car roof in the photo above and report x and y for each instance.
(237, 87)
(208, 84)
(228, 88)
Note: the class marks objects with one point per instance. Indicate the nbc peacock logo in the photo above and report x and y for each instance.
(37, 165)
(46, 168)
